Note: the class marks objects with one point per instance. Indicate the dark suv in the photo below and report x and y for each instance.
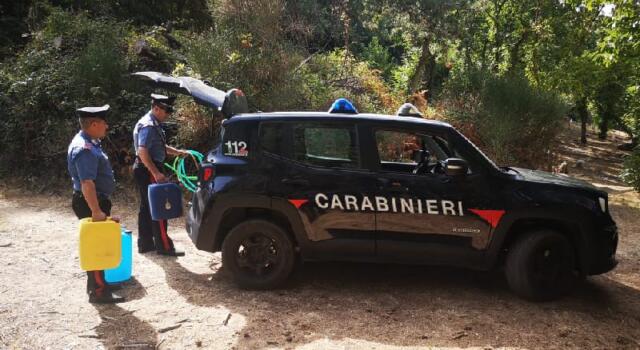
(368, 187)
(363, 187)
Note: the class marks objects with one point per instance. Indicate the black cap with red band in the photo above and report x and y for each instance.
(164, 102)
(93, 112)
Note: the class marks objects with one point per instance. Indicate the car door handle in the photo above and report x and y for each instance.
(296, 182)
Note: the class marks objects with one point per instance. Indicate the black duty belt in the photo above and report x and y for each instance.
(138, 162)
(79, 194)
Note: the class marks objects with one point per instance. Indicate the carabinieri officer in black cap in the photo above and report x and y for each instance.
(93, 183)
(151, 149)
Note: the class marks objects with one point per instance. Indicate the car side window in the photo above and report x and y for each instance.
(236, 141)
(397, 146)
(273, 138)
(397, 149)
(326, 145)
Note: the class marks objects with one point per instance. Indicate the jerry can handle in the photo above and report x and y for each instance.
(108, 219)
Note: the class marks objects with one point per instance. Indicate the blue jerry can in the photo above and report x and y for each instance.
(165, 201)
(125, 269)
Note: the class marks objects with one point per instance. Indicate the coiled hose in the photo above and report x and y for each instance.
(178, 167)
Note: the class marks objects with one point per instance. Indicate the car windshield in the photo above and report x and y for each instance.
(480, 152)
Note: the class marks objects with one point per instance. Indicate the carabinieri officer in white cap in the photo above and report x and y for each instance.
(151, 150)
(93, 183)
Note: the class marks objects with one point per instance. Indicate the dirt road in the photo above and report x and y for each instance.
(190, 303)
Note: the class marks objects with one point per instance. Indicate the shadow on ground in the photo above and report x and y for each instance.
(120, 328)
(414, 306)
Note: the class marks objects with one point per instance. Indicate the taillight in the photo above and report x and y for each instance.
(207, 172)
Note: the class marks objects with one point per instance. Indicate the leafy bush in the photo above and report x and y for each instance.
(74, 61)
(378, 56)
(516, 123)
(276, 77)
(284, 55)
(631, 172)
(83, 58)
(255, 58)
(198, 129)
(327, 77)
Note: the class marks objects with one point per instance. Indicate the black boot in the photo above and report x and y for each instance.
(115, 286)
(172, 252)
(106, 297)
(145, 247)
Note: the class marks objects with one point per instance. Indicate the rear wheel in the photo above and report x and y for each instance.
(541, 266)
(259, 254)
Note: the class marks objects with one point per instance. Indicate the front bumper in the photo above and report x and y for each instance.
(606, 247)
(604, 266)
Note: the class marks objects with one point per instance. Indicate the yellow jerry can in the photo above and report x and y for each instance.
(99, 244)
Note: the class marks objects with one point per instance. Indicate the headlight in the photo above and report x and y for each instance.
(603, 204)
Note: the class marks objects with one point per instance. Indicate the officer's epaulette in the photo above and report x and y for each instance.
(146, 121)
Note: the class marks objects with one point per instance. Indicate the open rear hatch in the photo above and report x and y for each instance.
(229, 103)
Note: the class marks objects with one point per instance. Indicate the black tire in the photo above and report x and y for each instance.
(259, 254)
(541, 266)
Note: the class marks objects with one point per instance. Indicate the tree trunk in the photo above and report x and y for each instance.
(514, 55)
(603, 126)
(499, 36)
(581, 107)
(635, 139)
(416, 79)
(431, 72)
(629, 131)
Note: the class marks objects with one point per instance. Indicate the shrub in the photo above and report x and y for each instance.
(198, 130)
(516, 123)
(631, 172)
(378, 57)
(333, 75)
(73, 61)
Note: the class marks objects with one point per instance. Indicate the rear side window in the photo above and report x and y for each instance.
(317, 144)
(273, 138)
(235, 140)
(326, 145)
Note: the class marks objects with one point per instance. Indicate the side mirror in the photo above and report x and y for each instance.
(455, 167)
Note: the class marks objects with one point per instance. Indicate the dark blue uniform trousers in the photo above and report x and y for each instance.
(151, 233)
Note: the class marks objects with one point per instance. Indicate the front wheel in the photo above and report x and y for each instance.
(541, 266)
(259, 254)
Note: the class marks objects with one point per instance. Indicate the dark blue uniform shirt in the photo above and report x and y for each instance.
(87, 161)
(148, 133)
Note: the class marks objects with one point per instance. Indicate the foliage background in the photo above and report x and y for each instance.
(506, 72)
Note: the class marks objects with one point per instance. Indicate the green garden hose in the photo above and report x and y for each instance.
(178, 167)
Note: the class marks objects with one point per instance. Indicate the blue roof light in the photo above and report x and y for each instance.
(342, 105)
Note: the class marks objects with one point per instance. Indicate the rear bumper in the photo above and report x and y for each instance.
(192, 225)
(198, 223)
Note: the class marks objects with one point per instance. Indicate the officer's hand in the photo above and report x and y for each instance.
(160, 178)
(183, 153)
(99, 216)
